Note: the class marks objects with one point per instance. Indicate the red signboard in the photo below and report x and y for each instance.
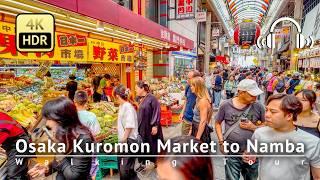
(185, 9)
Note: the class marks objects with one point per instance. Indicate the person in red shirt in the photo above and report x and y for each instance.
(10, 132)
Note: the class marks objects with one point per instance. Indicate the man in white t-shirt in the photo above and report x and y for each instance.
(281, 111)
(87, 118)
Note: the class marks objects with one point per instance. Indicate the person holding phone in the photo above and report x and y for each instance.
(63, 126)
(242, 116)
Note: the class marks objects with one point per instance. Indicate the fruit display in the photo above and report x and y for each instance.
(112, 139)
(24, 111)
(106, 115)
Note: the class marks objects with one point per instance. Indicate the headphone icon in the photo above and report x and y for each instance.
(270, 40)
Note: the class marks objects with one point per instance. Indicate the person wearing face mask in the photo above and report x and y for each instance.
(242, 116)
(63, 126)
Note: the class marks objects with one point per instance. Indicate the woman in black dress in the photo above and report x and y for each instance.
(149, 119)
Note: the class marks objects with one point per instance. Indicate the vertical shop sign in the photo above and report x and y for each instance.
(126, 52)
(185, 9)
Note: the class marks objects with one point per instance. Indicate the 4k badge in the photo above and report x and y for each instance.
(35, 32)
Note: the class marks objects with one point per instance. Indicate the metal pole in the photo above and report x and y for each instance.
(207, 47)
(298, 10)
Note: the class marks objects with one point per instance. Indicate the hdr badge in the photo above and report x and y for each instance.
(35, 32)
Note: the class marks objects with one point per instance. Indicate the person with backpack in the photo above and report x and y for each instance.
(280, 83)
(291, 85)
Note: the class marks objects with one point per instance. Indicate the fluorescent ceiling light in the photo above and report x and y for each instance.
(125, 33)
(14, 9)
(100, 26)
(33, 7)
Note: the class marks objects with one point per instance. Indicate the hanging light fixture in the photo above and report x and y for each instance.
(100, 26)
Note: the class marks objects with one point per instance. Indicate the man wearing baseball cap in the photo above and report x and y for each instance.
(242, 116)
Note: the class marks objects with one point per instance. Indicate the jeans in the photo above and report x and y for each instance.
(217, 98)
(234, 166)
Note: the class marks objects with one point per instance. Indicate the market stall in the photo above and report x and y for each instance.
(170, 93)
(309, 61)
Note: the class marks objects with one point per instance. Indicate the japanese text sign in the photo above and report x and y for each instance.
(185, 9)
(103, 51)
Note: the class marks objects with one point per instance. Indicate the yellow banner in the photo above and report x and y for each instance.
(68, 47)
(104, 51)
(8, 48)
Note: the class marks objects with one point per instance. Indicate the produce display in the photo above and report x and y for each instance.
(22, 110)
(162, 90)
(107, 117)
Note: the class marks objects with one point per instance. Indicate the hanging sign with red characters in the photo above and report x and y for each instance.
(185, 9)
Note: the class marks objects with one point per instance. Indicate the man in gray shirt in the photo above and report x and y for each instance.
(281, 111)
(240, 130)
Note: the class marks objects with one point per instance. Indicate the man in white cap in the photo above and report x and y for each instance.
(242, 116)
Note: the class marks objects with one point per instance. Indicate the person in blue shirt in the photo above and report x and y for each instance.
(187, 113)
(217, 88)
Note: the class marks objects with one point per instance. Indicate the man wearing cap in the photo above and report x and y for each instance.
(242, 116)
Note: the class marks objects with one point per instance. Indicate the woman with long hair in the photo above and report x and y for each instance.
(202, 110)
(308, 120)
(63, 126)
(149, 119)
(127, 130)
(192, 167)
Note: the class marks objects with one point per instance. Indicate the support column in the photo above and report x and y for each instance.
(208, 44)
(298, 10)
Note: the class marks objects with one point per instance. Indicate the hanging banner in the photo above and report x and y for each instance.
(104, 51)
(73, 51)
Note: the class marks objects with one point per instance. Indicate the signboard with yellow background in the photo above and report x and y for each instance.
(68, 47)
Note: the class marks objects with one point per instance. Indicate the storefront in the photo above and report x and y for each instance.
(87, 41)
(181, 62)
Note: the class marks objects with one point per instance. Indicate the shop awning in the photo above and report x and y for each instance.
(185, 54)
(112, 13)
